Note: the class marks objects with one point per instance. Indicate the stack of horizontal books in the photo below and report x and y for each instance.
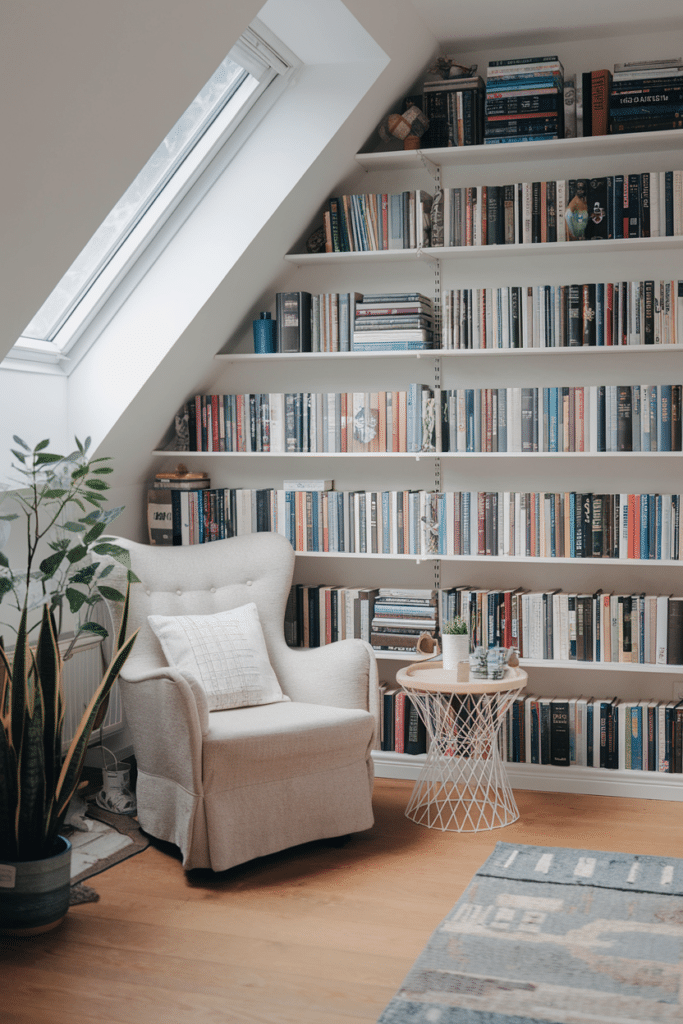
(401, 616)
(647, 96)
(398, 321)
(524, 100)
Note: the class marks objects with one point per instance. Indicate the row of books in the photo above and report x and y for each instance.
(563, 315)
(553, 625)
(565, 524)
(646, 96)
(320, 614)
(643, 205)
(386, 421)
(594, 732)
(524, 100)
(590, 732)
(430, 523)
(370, 222)
(595, 418)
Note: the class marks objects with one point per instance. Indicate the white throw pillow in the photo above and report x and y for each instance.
(226, 653)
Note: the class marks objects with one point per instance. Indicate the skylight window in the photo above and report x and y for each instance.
(208, 122)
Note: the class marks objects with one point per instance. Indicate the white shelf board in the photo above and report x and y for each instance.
(510, 559)
(474, 252)
(446, 353)
(603, 666)
(418, 456)
(579, 148)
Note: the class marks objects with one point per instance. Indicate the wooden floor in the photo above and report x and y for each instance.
(316, 935)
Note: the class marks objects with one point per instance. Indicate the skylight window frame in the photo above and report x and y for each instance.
(260, 54)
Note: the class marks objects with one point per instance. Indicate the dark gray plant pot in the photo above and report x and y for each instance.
(34, 894)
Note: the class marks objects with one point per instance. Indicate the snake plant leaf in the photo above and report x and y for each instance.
(73, 762)
(49, 672)
(8, 797)
(19, 693)
(30, 817)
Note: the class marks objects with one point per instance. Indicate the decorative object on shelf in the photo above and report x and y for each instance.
(447, 67)
(408, 127)
(455, 641)
(316, 240)
(489, 664)
(264, 334)
(35, 786)
(427, 645)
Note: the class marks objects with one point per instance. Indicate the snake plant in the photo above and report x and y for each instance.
(36, 783)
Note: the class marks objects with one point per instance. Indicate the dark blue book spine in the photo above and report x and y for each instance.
(669, 202)
(600, 314)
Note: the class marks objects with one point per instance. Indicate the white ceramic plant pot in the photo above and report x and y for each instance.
(456, 647)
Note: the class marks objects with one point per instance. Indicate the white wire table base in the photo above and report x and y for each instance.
(463, 785)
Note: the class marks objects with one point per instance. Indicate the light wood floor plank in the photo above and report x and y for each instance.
(316, 935)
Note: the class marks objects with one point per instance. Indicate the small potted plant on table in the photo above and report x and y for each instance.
(455, 642)
(63, 540)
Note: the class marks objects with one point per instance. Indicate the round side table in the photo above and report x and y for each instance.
(463, 785)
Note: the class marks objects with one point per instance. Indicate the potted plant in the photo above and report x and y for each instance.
(455, 642)
(60, 501)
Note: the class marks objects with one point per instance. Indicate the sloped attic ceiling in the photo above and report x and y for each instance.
(133, 414)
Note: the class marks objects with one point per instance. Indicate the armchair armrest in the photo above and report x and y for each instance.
(342, 674)
(167, 715)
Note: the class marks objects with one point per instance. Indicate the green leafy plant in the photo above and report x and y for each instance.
(457, 626)
(53, 493)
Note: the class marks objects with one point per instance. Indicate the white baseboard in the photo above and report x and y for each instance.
(548, 778)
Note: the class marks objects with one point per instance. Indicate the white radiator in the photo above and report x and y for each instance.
(82, 674)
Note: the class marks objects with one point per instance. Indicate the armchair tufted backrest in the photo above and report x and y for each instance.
(205, 578)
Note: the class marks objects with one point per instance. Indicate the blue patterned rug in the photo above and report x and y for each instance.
(545, 935)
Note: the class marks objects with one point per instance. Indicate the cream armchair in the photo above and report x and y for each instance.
(230, 785)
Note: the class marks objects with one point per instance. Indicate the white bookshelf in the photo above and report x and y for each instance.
(431, 268)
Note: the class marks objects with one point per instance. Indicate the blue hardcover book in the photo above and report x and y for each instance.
(441, 520)
(572, 525)
(546, 420)
(600, 314)
(637, 738)
(589, 734)
(664, 417)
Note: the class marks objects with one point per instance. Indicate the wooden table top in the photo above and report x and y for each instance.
(431, 677)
